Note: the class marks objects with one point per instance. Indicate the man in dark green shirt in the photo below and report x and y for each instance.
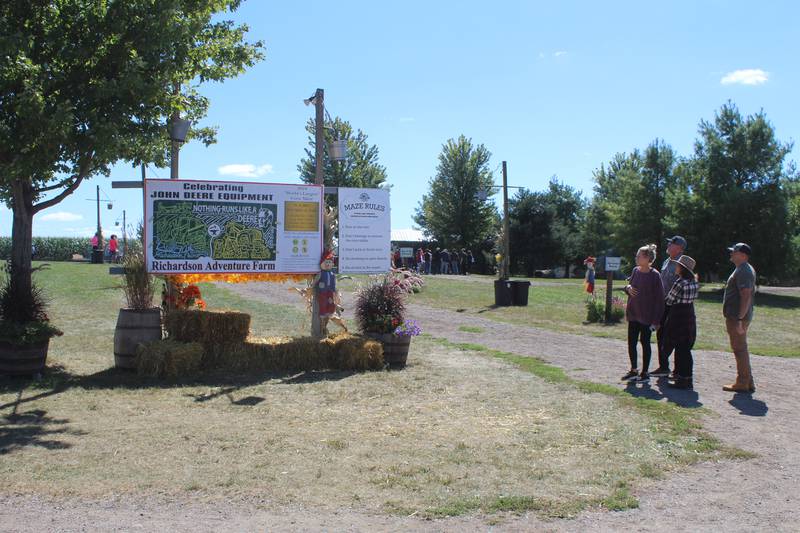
(737, 307)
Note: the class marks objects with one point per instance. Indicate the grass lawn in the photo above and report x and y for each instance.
(461, 430)
(560, 305)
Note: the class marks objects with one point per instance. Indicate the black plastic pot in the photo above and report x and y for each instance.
(519, 292)
(502, 292)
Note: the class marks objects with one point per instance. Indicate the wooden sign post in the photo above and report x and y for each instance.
(612, 265)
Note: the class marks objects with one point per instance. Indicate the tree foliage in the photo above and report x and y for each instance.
(736, 187)
(360, 169)
(546, 227)
(453, 211)
(87, 83)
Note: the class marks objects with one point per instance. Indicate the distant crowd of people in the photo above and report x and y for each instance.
(436, 261)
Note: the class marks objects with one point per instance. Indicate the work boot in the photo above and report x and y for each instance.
(744, 377)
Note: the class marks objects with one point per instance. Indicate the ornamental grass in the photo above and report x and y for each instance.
(207, 327)
(167, 358)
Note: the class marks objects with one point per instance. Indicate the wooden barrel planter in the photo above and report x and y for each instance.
(23, 360)
(395, 348)
(134, 326)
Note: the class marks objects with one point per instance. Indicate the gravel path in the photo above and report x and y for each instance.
(754, 495)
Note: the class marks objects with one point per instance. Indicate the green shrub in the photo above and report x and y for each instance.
(596, 310)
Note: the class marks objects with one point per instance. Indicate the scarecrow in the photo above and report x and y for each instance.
(328, 297)
(588, 281)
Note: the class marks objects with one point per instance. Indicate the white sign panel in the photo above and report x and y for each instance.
(365, 231)
(215, 227)
(612, 264)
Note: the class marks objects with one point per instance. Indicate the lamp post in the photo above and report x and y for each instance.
(482, 195)
(318, 99)
(178, 130)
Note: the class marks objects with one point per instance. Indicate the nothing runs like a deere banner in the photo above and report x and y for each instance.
(231, 227)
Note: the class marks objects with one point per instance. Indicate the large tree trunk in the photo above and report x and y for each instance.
(21, 237)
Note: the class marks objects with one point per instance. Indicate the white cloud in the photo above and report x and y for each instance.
(745, 76)
(87, 231)
(407, 119)
(541, 55)
(245, 170)
(560, 53)
(61, 216)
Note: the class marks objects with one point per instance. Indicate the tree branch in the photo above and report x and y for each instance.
(82, 172)
(54, 187)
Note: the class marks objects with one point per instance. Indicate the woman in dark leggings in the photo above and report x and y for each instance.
(680, 328)
(644, 310)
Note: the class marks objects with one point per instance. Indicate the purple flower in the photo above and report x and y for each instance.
(409, 328)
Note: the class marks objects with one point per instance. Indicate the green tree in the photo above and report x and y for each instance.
(453, 211)
(360, 169)
(532, 245)
(632, 193)
(736, 188)
(87, 83)
(568, 210)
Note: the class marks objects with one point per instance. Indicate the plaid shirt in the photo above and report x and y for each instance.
(684, 291)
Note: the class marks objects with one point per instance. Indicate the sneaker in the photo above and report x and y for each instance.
(660, 372)
(630, 376)
(682, 383)
(644, 377)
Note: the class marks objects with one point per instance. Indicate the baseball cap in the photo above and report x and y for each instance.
(741, 247)
(677, 239)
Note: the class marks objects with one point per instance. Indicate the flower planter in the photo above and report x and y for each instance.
(395, 348)
(134, 326)
(23, 360)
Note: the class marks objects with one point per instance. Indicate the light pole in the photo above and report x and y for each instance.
(319, 164)
(505, 264)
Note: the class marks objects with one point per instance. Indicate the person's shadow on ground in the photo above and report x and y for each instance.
(747, 405)
(683, 397)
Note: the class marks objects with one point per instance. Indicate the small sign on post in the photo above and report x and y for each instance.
(612, 265)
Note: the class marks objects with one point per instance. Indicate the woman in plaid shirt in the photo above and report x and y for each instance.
(680, 329)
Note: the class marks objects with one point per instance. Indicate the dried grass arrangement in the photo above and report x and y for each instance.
(281, 354)
(168, 358)
(207, 327)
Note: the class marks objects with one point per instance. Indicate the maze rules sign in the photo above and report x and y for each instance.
(216, 227)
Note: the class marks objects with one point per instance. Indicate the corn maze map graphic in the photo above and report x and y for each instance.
(221, 231)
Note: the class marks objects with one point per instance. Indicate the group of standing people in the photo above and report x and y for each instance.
(436, 261)
(663, 302)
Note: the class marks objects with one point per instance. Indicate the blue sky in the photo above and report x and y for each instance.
(554, 88)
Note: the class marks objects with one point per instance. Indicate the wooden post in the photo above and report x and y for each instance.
(319, 179)
(609, 289)
(175, 151)
(506, 236)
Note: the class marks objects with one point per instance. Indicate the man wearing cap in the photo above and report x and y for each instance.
(675, 248)
(737, 307)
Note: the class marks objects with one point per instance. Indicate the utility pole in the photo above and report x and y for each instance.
(319, 136)
(506, 236)
(124, 234)
(99, 227)
(319, 166)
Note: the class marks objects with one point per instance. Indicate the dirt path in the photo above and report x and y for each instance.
(755, 495)
(758, 494)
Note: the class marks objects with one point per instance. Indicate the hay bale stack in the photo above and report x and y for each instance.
(280, 354)
(168, 358)
(207, 327)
